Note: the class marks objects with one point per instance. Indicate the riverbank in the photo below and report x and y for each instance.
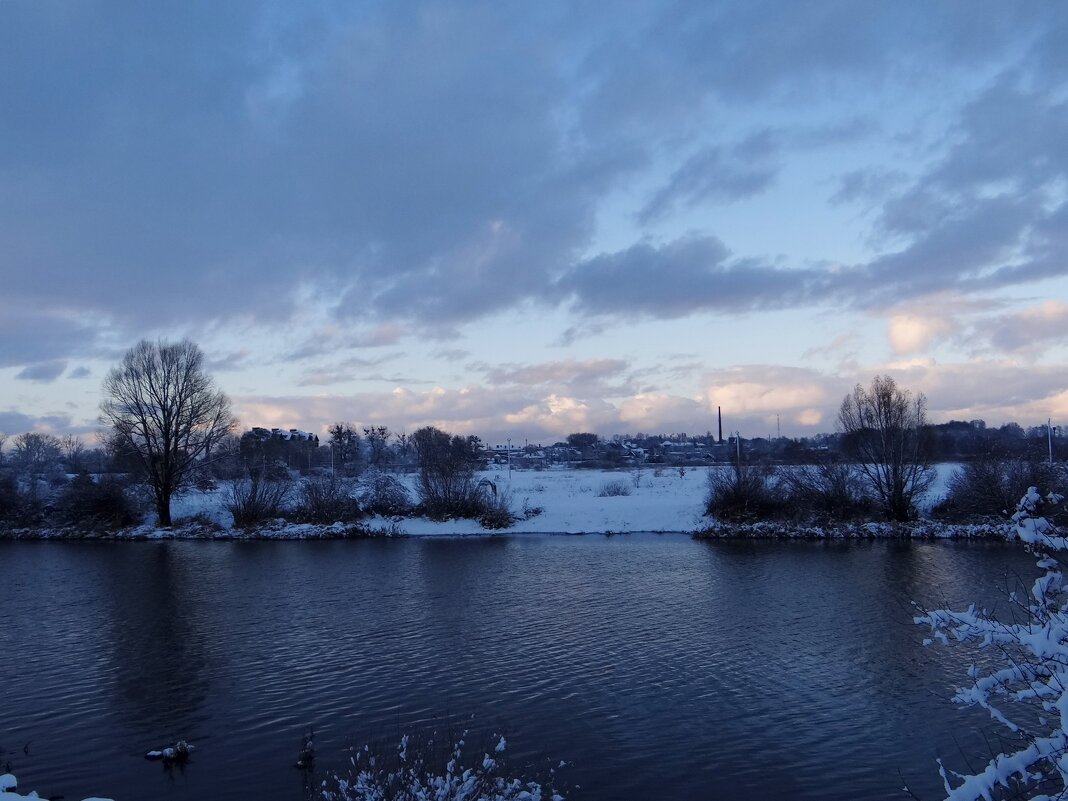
(546, 502)
(9, 791)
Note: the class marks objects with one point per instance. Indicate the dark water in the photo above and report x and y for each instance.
(661, 667)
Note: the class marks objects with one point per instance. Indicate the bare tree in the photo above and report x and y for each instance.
(35, 453)
(377, 438)
(3, 439)
(446, 471)
(35, 456)
(165, 411)
(885, 432)
(73, 450)
(344, 448)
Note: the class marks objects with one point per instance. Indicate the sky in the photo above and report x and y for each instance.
(521, 220)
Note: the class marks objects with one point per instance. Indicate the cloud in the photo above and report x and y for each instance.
(1033, 328)
(913, 332)
(451, 354)
(650, 412)
(754, 396)
(695, 273)
(716, 173)
(43, 372)
(868, 186)
(430, 166)
(43, 334)
(351, 369)
(990, 212)
(234, 360)
(997, 390)
(80, 372)
(13, 423)
(562, 373)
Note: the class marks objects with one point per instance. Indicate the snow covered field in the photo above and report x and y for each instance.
(571, 502)
(554, 501)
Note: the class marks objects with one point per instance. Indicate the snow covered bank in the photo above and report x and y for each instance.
(920, 529)
(667, 500)
(9, 785)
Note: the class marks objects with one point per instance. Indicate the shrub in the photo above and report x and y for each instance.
(825, 491)
(613, 489)
(326, 499)
(200, 522)
(385, 495)
(95, 505)
(17, 508)
(257, 498)
(744, 492)
(991, 485)
(496, 510)
(530, 510)
(446, 474)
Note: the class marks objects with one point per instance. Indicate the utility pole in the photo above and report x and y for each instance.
(1049, 438)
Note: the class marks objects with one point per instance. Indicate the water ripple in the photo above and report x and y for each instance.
(662, 668)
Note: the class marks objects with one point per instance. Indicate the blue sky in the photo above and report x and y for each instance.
(518, 219)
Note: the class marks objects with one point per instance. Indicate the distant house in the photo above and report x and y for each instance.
(291, 447)
(292, 435)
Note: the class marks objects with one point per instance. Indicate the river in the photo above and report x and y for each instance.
(657, 666)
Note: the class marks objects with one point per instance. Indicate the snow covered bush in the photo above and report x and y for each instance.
(1027, 693)
(384, 494)
(613, 489)
(411, 773)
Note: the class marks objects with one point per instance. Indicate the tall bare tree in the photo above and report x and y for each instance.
(344, 448)
(3, 439)
(35, 455)
(377, 438)
(446, 470)
(73, 450)
(885, 430)
(166, 413)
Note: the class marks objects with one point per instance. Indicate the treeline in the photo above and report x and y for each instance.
(261, 479)
(881, 468)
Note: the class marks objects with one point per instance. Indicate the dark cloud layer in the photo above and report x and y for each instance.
(682, 277)
(42, 372)
(429, 164)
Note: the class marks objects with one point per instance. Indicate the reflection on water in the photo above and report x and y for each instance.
(662, 667)
(156, 616)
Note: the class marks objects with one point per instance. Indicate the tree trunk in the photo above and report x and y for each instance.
(163, 509)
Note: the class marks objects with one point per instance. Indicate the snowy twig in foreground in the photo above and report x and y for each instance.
(1029, 695)
(407, 776)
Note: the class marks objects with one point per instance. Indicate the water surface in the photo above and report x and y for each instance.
(659, 666)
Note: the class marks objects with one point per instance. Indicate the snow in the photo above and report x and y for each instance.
(1034, 648)
(9, 784)
(551, 501)
(571, 503)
